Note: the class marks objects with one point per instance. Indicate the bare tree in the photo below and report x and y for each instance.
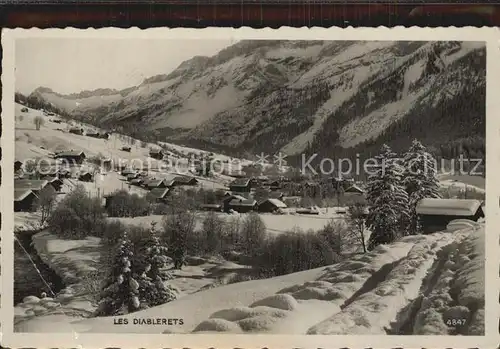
(38, 121)
(356, 220)
(45, 204)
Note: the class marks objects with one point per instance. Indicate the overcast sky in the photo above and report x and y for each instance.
(73, 65)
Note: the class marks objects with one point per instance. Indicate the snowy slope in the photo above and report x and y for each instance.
(285, 95)
(369, 293)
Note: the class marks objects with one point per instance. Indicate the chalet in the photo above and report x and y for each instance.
(271, 205)
(73, 157)
(18, 164)
(85, 176)
(56, 182)
(211, 207)
(36, 185)
(228, 198)
(184, 180)
(435, 214)
(242, 206)
(24, 200)
(127, 149)
(276, 195)
(76, 130)
(159, 194)
(126, 172)
(132, 176)
(291, 200)
(156, 154)
(154, 183)
(354, 189)
(137, 181)
(240, 185)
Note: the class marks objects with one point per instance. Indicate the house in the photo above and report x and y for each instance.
(159, 194)
(291, 200)
(85, 176)
(228, 198)
(271, 205)
(36, 185)
(127, 149)
(276, 195)
(73, 157)
(435, 214)
(154, 183)
(156, 154)
(211, 207)
(18, 164)
(56, 182)
(354, 189)
(137, 181)
(94, 135)
(242, 206)
(76, 130)
(24, 200)
(126, 172)
(184, 180)
(132, 176)
(240, 185)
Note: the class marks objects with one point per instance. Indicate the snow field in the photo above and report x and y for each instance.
(455, 290)
(296, 308)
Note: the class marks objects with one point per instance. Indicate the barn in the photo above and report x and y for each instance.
(211, 207)
(271, 205)
(76, 130)
(185, 180)
(55, 182)
(435, 214)
(18, 164)
(85, 177)
(156, 154)
(240, 185)
(242, 206)
(154, 183)
(24, 200)
(159, 194)
(228, 199)
(72, 157)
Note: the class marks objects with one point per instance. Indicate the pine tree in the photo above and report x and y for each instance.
(152, 289)
(420, 180)
(388, 200)
(121, 293)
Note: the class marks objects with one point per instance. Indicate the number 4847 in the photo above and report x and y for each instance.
(456, 322)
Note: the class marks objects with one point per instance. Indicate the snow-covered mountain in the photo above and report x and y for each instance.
(292, 96)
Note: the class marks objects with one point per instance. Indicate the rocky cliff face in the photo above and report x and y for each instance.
(293, 96)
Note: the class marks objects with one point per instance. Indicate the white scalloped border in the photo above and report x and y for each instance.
(84, 340)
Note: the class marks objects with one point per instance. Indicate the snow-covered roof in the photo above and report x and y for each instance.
(34, 184)
(448, 207)
(354, 189)
(276, 202)
(159, 193)
(21, 193)
(246, 202)
(240, 182)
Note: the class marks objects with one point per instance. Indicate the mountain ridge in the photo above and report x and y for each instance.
(293, 96)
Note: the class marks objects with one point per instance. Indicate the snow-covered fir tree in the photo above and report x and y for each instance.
(420, 180)
(387, 199)
(152, 288)
(120, 294)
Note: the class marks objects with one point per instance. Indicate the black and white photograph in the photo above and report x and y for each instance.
(232, 185)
